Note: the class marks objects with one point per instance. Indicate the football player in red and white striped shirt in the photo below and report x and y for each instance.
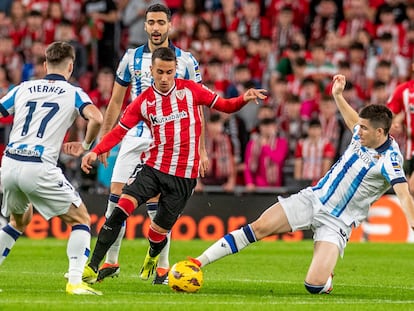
(171, 164)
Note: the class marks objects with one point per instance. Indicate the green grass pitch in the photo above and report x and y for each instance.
(265, 276)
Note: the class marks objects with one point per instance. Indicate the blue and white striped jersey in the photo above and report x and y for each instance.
(359, 178)
(134, 68)
(43, 111)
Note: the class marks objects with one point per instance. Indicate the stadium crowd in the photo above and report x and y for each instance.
(292, 48)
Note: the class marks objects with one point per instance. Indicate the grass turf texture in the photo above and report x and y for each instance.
(265, 276)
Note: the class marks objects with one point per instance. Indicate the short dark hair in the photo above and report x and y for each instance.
(164, 53)
(158, 7)
(59, 51)
(379, 116)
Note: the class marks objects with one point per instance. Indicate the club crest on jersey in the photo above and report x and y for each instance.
(137, 73)
(180, 94)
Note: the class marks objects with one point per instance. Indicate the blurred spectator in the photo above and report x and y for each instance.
(220, 14)
(239, 50)
(72, 9)
(387, 52)
(286, 60)
(295, 79)
(249, 24)
(65, 32)
(33, 32)
(183, 23)
(101, 17)
(408, 47)
(263, 112)
(357, 61)
(265, 157)
(314, 155)
(379, 93)
(18, 23)
(200, 43)
(221, 169)
(235, 127)
(278, 93)
(319, 67)
(334, 53)
(5, 81)
(309, 96)
(39, 68)
(101, 94)
(383, 73)
(11, 59)
(291, 125)
(397, 7)
(283, 30)
(325, 20)
(40, 6)
(133, 18)
(32, 57)
(54, 16)
(300, 9)
(332, 124)
(387, 24)
(214, 77)
(356, 17)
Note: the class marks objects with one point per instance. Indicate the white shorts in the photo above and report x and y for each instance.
(129, 156)
(41, 184)
(304, 211)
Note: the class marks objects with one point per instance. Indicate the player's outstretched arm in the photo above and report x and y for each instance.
(406, 200)
(348, 113)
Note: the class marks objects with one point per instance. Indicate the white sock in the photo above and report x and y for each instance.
(78, 250)
(231, 243)
(112, 255)
(163, 260)
(8, 236)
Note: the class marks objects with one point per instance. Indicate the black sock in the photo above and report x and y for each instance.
(156, 248)
(107, 236)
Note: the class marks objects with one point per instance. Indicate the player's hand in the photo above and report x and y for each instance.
(87, 161)
(73, 148)
(254, 94)
(203, 163)
(104, 158)
(338, 86)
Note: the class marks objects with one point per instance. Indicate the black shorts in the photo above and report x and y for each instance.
(147, 182)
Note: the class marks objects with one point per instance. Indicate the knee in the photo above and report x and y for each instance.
(320, 289)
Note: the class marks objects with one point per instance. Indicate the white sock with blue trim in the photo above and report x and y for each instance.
(8, 237)
(231, 243)
(78, 250)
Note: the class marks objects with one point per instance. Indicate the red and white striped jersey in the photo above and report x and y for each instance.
(402, 100)
(175, 124)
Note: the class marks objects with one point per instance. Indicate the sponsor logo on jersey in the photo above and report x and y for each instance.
(159, 120)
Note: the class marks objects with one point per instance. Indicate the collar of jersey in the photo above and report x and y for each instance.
(164, 94)
(54, 76)
(147, 50)
(385, 145)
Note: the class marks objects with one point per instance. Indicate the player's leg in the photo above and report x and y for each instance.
(126, 162)
(163, 266)
(319, 277)
(175, 193)
(110, 230)
(78, 249)
(13, 230)
(329, 244)
(272, 221)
